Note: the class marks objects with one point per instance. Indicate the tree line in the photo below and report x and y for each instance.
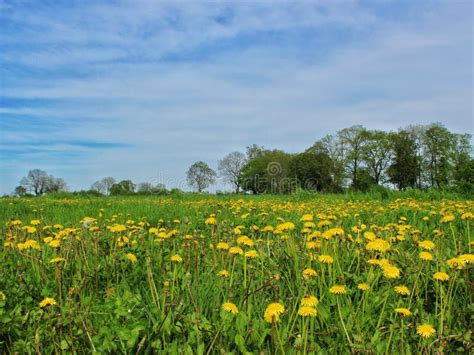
(354, 158)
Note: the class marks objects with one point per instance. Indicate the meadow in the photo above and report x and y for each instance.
(203, 274)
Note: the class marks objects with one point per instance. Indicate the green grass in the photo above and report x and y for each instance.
(109, 304)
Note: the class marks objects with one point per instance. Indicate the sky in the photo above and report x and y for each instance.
(140, 89)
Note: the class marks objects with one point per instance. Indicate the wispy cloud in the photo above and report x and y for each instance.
(153, 86)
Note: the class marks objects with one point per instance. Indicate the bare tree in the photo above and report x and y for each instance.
(230, 167)
(36, 181)
(200, 176)
(144, 187)
(103, 186)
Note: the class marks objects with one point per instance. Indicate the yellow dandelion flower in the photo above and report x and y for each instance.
(47, 302)
(379, 245)
(273, 312)
(391, 272)
(326, 259)
(245, 241)
(426, 244)
(57, 260)
(441, 276)
(363, 286)
(424, 255)
(338, 290)
(222, 246)
(307, 311)
(132, 258)
(251, 254)
(456, 263)
(403, 311)
(308, 273)
(467, 215)
(425, 330)
(224, 273)
(309, 301)
(230, 307)
(35, 222)
(467, 258)
(56, 243)
(176, 259)
(402, 290)
(236, 250)
(447, 218)
(210, 221)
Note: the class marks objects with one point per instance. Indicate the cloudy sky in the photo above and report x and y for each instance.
(142, 89)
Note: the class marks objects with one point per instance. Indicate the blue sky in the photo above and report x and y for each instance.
(142, 89)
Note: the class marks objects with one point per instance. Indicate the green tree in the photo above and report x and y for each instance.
(403, 170)
(376, 154)
(352, 142)
(437, 143)
(311, 171)
(200, 176)
(267, 173)
(124, 187)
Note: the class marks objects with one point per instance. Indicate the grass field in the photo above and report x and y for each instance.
(218, 274)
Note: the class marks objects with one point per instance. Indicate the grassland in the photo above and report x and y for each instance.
(210, 274)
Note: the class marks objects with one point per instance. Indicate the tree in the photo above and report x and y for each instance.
(39, 182)
(311, 171)
(36, 181)
(403, 171)
(376, 154)
(144, 187)
(20, 191)
(103, 186)
(55, 184)
(230, 167)
(124, 187)
(352, 141)
(437, 143)
(254, 151)
(267, 173)
(200, 176)
(333, 148)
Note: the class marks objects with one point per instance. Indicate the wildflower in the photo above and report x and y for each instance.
(467, 215)
(338, 289)
(47, 302)
(57, 260)
(236, 250)
(223, 273)
(273, 312)
(313, 245)
(426, 244)
(307, 218)
(456, 263)
(222, 246)
(425, 330)
(309, 301)
(441, 276)
(210, 221)
(403, 311)
(230, 307)
(391, 272)
(379, 245)
(176, 259)
(447, 218)
(424, 255)
(35, 222)
(308, 273)
(251, 254)
(326, 259)
(307, 311)
(132, 258)
(402, 290)
(467, 258)
(245, 241)
(56, 243)
(363, 286)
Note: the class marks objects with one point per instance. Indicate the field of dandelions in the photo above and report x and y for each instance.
(207, 275)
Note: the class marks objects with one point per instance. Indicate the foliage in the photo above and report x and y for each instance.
(232, 274)
(200, 176)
